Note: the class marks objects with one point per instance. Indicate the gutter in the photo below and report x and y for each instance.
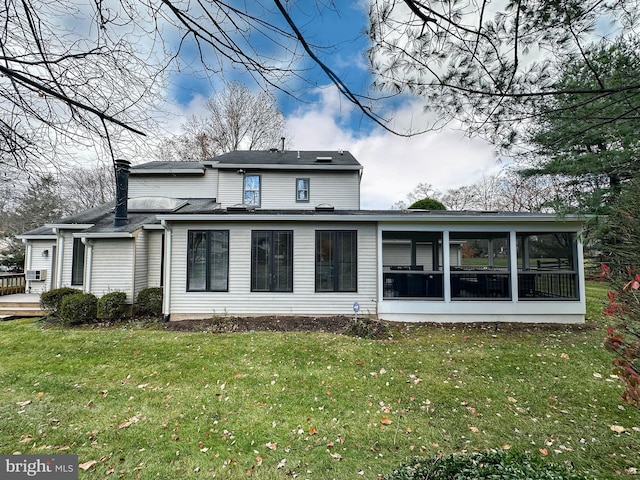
(385, 220)
(104, 235)
(166, 297)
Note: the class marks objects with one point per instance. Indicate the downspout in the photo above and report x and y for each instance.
(134, 265)
(89, 261)
(60, 254)
(166, 297)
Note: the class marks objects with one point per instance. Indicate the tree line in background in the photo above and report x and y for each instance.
(26, 204)
(234, 119)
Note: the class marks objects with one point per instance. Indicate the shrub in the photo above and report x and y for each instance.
(112, 306)
(149, 301)
(79, 308)
(51, 301)
(619, 236)
(365, 327)
(494, 465)
(428, 204)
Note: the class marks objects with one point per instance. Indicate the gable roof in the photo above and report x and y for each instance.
(256, 159)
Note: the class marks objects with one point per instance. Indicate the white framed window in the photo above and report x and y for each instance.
(302, 189)
(251, 191)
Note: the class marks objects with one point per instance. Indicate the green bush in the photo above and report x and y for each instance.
(428, 204)
(494, 465)
(112, 306)
(149, 301)
(51, 301)
(78, 309)
(365, 327)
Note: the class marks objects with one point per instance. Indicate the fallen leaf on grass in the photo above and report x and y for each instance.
(282, 463)
(87, 465)
(506, 446)
(336, 456)
(131, 421)
(386, 421)
(272, 445)
(473, 429)
(25, 438)
(23, 404)
(544, 452)
(313, 430)
(110, 471)
(512, 400)
(617, 428)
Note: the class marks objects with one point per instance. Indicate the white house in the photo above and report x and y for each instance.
(282, 233)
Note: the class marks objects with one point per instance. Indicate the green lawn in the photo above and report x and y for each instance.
(145, 403)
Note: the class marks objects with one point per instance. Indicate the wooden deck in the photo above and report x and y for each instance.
(20, 305)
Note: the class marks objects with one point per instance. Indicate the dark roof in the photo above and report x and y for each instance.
(38, 232)
(285, 158)
(441, 216)
(175, 168)
(101, 218)
(262, 159)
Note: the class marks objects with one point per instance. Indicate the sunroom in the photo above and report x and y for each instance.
(505, 272)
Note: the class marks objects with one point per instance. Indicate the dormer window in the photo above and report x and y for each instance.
(251, 192)
(302, 189)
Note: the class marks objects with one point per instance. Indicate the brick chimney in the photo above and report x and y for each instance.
(122, 192)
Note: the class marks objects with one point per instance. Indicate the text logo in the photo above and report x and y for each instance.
(39, 467)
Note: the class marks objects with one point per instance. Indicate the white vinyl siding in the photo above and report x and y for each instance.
(154, 258)
(175, 186)
(240, 300)
(141, 262)
(113, 267)
(278, 189)
(67, 257)
(41, 262)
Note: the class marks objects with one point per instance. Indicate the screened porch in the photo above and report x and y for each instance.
(479, 266)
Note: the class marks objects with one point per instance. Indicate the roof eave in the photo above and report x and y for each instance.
(284, 166)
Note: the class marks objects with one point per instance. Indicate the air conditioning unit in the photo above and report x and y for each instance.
(36, 275)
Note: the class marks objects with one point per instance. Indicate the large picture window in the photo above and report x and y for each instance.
(272, 261)
(251, 193)
(77, 262)
(336, 261)
(208, 261)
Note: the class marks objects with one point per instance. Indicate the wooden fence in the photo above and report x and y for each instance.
(12, 283)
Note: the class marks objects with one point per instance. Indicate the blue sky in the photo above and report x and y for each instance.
(321, 119)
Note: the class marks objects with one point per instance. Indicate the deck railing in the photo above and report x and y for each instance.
(12, 283)
(480, 284)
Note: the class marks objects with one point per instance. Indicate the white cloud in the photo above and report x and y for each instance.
(393, 165)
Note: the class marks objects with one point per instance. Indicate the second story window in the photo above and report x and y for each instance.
(302, 189)
(251, 191)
